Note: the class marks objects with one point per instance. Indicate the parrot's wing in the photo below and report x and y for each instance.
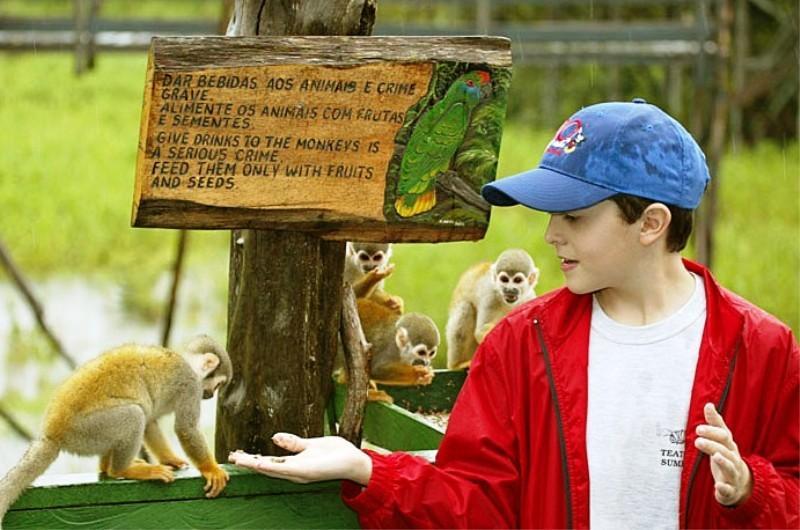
(431, 146)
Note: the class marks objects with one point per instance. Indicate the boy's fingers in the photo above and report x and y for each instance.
(290, 442)
(726, 466)
(717, 434)
(240, 458)
(724, 491)
(273, 466)
(710, 447)
(712, 416)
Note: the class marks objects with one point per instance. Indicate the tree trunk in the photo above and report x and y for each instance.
(285, 288)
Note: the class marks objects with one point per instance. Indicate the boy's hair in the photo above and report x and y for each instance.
(680, 228)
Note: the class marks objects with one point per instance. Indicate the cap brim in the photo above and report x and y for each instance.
(546, 190)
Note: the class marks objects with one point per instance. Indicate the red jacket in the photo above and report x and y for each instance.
(515, 454)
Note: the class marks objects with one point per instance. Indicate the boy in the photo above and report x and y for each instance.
(602, 403)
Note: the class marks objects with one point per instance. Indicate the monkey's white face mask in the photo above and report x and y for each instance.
(413, 354)
(514, 287)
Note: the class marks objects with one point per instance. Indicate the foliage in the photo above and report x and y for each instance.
(66, 183)
(152, 9)
(543, 95)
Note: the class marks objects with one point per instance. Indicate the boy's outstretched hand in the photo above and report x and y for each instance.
(326, 458)
(732, 480)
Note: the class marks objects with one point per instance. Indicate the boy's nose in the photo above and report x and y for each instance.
(551, 235)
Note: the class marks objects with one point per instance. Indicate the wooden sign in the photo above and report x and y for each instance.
(366, 138)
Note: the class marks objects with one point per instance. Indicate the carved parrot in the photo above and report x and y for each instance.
(434, 141)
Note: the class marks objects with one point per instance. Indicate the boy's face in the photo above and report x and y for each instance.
(597, 248)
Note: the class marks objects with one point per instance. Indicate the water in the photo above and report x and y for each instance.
(87, 317)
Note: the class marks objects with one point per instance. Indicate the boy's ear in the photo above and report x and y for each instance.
(655, 220)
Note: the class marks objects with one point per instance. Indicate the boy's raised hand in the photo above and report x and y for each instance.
(326, 458)
(732, 480)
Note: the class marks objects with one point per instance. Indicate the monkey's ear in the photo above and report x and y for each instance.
(401, 337)
(210, 363)
(533, 278)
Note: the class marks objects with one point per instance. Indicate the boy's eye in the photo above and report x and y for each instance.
(570, 218)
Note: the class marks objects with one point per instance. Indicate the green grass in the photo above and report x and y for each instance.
(152, 9)
(66, 174)
(66, 185)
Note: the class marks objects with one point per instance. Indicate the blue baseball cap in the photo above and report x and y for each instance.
(607, 149)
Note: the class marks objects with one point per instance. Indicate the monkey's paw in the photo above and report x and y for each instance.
(395, 303)
(174, 462)
(162, 473)
(141, 471)
(424, 375)
(379, 395)
(216, 480)
(381, 273)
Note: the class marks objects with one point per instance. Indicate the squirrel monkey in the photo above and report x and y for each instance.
(110, 405)
(402, 346)
(366, 266)
(485, 293)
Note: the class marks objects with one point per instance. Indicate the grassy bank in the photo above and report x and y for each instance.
(66, 183)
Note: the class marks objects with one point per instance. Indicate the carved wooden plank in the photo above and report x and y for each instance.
(368, 138)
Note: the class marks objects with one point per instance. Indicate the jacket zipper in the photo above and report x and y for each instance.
(720, 408)
(559, 423)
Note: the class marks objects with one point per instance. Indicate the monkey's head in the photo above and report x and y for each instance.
(368, 256)
(210, 362)
(514, 275)
(417, 339)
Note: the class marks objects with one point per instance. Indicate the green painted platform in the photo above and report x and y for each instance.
(250, 500)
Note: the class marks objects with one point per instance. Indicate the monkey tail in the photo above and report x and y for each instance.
(35, 461)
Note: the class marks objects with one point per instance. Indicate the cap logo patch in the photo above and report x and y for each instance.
(569, 135)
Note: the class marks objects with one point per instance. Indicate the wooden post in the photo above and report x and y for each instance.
(741, 42)
(714, 146)
(285, 289)
(356, 360)
(483, 16)
(84, 12)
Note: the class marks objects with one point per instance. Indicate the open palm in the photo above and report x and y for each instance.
(325, 458)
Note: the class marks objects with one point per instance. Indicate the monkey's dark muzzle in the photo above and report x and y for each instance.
(510, 298)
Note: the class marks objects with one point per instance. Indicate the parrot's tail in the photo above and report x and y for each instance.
(409, 205)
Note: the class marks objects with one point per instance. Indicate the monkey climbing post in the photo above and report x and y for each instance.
(315, 141)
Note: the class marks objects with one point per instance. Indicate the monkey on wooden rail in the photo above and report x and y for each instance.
(366, 266)
(110, 406)
(402, 347)
(485, 293)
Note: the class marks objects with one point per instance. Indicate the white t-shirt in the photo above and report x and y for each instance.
(640, 382)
